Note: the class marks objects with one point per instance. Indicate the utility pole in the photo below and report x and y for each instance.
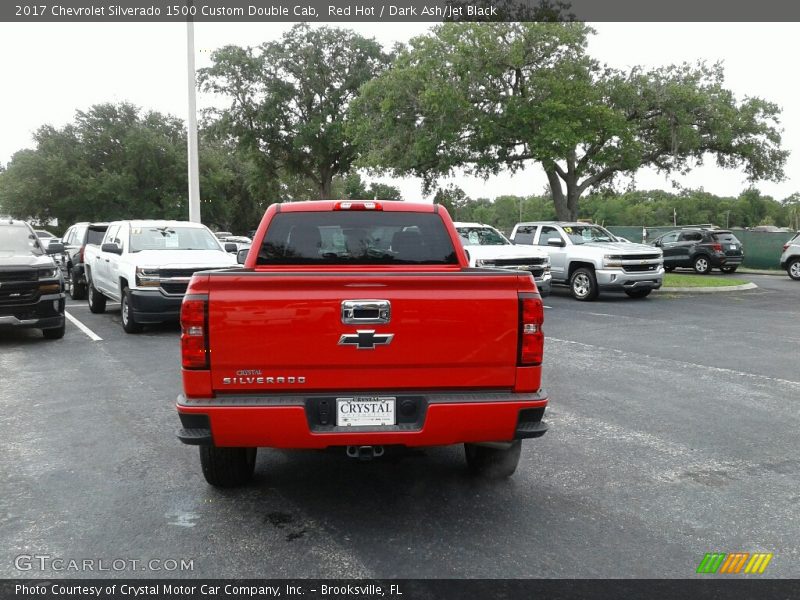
(191, 123)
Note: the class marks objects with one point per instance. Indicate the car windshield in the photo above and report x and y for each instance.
(726, 237)
(481, 236)
(19, 240)
(583, 234)
(170, 237)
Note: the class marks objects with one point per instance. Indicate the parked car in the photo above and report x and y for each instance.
(701, 249)
(71, 260)
(45, 237)
(487, 247)
(790, 259)
(239, 241)
(31, 285)
(146, 266)
(360, 325)
(590, 259)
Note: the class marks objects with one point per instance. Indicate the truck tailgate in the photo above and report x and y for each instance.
(283, 331)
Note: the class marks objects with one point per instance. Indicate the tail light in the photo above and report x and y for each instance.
(716, 247)
(531, 337)
(785, 246)
(194, 331)
(80, 254)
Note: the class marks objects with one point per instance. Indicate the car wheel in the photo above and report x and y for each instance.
(493, 463)
(702, 265)
(97, 302)
(129, 323)
(638, 293)
(583, 284)
(669, 269)
(793, 269)
(55, 333)
(77, 291)
(729, 269)
(227, 467)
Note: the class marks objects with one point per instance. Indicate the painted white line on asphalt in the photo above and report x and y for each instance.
(90, 334)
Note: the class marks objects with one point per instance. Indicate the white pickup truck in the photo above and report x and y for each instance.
(589, 259)
(146, 267)
(487, 247)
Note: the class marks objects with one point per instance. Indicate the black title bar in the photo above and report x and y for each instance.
(67, 11)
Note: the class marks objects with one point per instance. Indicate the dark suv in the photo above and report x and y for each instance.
(75, 240)
(701, 249)
(31, 285)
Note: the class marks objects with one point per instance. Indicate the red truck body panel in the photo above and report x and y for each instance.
(273, 335)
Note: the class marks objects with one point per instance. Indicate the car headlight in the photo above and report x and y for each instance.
(611, 261)
(147, 277)
(48, 273)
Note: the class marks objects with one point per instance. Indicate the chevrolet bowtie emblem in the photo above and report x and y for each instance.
(366, 339)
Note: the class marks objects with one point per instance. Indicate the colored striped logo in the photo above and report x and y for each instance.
(736, 562)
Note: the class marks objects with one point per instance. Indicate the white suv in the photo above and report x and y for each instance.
(487, 247)
(790, 259)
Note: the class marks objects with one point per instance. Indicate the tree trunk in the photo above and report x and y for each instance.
(559, 200)
(573, 195)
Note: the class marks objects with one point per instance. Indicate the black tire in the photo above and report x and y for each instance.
(97, 302)
(227, 467)
(129, 323)
(583, 284)
(702, 265)
(493, 463)
(643, 293)
(669, 269)
(793, 269)
(77, 291)
(55, 333)
(729, 269)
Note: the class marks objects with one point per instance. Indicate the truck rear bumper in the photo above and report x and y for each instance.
(293, 421)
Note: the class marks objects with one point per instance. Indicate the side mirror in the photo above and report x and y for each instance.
(111, 248)
(241, 256)
(55, 248)
(230, 247)
(558, 243)
(469, 258)
(657, 243)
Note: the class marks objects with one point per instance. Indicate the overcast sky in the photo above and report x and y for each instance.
(50, 70)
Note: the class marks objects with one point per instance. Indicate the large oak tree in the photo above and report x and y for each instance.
(493, 96)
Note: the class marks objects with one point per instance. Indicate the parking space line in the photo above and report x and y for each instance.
(89, 333)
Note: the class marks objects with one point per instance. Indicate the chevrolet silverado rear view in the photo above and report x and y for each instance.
(359, 325)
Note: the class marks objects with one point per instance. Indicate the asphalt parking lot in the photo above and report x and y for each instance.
(673, 433)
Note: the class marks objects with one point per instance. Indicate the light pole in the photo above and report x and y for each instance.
(191, 123)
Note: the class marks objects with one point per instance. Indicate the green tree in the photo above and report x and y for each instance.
(289, 99)
(487, 96)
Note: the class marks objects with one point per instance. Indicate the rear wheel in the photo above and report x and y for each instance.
(729, 269)
(227, 467)
(702, 265)
(129, 323)
(493, 463)
(77, 291)
(54, 334)
(583, 284)
(97, 302)
(793, 268)
(643, 293)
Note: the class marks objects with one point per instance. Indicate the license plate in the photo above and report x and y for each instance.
(365, 410)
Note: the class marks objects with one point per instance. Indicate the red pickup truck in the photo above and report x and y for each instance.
(359, 325)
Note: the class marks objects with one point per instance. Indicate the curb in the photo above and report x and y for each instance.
(709, 290)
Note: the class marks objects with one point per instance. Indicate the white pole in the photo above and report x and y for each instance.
(191, 124)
